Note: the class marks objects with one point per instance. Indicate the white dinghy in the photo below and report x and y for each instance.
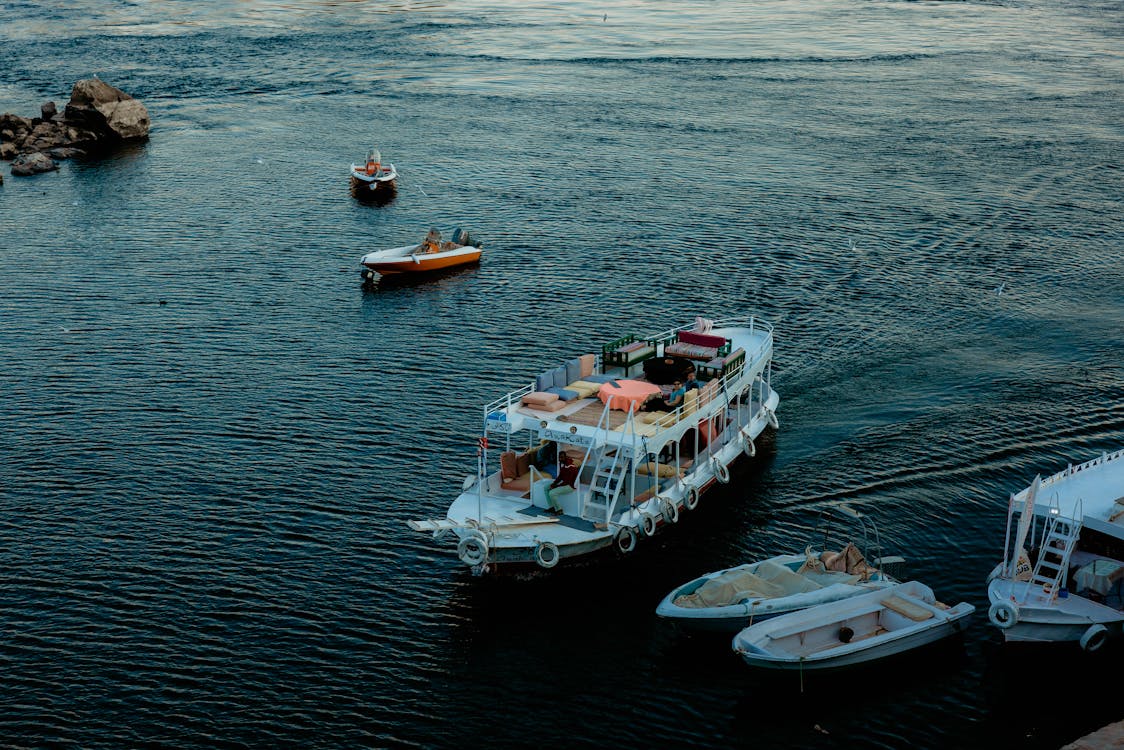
(732, 599)
(852, 631)
(1062, 574)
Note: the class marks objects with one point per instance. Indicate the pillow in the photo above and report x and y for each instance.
(662, 470)
(523, 463)
(544, 380)
(552, 406)
(584, 389)
(599, 378)
(508, 466)
(540, 398)
(588, 362)
(559, 374)
(564, 393)
(689, 402)
(573, 371)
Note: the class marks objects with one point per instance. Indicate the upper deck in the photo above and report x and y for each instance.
(587, 421)
(1093, 491)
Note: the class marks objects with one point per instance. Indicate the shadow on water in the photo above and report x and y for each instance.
(435, 279)
(375, 198)
(1053, 693)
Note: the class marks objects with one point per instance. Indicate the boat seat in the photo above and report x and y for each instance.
(906, 608)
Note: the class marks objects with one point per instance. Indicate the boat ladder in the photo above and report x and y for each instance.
(1059, 538)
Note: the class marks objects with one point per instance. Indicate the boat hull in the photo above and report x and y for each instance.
(403, 260)
(1042, 619)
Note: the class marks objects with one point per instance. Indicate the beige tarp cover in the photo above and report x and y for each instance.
(770, 581)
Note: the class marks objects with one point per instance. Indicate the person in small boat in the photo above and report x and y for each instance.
(567, 475)
(431, 243)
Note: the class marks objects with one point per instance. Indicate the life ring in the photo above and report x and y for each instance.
(1003, 614)
(626, 539)
(1095, 637)
(473, 549)
(721, 473)
(747, 444)
(546, 554)
(670, 510)
(771, 417)
(691, 498)
(648, 524)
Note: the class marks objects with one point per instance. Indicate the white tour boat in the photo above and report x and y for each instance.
(623, 469)
(852, 631)
(1062, 573)
(732, 599)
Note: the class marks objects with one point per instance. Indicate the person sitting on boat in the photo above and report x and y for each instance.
(690, 382)
(567, 476)
(671, 403)
(432, 242)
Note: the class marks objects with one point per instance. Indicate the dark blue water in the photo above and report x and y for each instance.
(211, 435)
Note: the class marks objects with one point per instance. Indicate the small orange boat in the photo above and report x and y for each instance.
(432, 254)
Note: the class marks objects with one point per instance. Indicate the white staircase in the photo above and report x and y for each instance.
(1059, 538)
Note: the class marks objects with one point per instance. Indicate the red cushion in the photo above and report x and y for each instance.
(701, 339)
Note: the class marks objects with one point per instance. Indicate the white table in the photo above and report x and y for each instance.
(1099, 576)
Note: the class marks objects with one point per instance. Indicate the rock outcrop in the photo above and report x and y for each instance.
(97, 118)
(26, 164)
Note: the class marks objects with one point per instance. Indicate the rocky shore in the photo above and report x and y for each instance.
(98, 118)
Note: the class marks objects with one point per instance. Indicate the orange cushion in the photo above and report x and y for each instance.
(539, 398)
(508, 468)
(523, 463)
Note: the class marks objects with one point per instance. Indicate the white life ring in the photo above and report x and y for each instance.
(669, 510)
(747, 444)
(721, 473)
(691, 498)
(1094, 638)
(546, 554)
(1003, 614)
(771, 417)
(648, 524)
(473, 549)
(626, 539)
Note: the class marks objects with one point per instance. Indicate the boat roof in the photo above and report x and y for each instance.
(1092, 491)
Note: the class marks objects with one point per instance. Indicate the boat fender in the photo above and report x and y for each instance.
(721, 473)
(648, 524)
(546, 554)
(473, 549)
(1003, 614)
(691, 499)
(626, 539)
(1094, 638)
(747, 444)
(670, 510)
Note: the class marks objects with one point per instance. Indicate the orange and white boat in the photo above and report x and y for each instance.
(431, 254)
(374, 180)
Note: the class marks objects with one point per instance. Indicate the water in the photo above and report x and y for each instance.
(213, 436)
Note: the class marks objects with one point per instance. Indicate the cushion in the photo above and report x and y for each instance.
(632, 346)
(584, 388)
(690, 402)
(523, 463)
(508, 466)
(538, 398)
(544, 380)
(599, 378)
(662, 470)
(701, 339)
(563, 393)
(573, 371)
(559, 376)
(552, 406)
(709, 391)
(588, 362)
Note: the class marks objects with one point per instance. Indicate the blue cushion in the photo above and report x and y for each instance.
(564, 393)
(545, 381)
(573, 371)
(560, 376)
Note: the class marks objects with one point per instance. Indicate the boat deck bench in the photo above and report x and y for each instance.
(722, 365)
(626, 352)
(697, 346)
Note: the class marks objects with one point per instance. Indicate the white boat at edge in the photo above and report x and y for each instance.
(614, 503)
(852, 631)
(734, 598)
(1062, 571)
